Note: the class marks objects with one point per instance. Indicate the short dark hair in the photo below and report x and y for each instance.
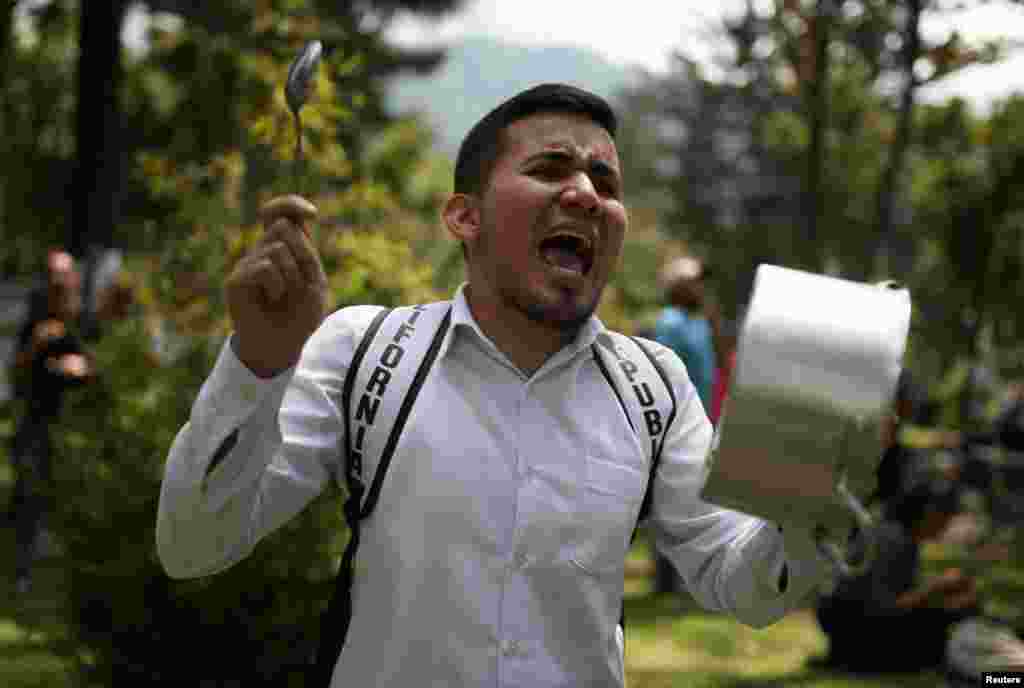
(482, 145)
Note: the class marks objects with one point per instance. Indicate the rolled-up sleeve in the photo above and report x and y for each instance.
(730, 561)
(254, 452)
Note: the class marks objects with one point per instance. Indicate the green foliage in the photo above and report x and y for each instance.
(737, 160)
(134, 622)
(400, 159)
(255, 623)
(210, 139)
(36, 119)
(367, 272)
(634, 297)
(966, 185)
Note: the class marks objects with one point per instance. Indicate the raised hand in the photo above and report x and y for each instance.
(72, 366)
(277, 293)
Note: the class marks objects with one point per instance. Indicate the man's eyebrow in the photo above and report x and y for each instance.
(554, 154)
(597, 166)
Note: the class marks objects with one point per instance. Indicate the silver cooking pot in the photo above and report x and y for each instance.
(799, 439)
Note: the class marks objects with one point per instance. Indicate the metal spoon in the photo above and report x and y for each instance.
(297, 90)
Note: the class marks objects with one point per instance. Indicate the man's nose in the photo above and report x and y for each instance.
(580, 195)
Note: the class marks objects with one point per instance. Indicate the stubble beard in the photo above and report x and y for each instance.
(567, 317)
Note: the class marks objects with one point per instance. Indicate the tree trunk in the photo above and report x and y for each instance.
(6, 50)
(817, 110)
(97, 178)
(891, 184)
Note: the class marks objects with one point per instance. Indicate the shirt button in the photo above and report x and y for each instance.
(522, 560)
(510, 648)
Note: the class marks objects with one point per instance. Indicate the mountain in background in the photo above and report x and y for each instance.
(479, 73)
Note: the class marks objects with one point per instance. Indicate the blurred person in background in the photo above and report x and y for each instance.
(890, 618)
(900, 456)
(101, 291)
(690, 326)
(887, 619)
(49, 359)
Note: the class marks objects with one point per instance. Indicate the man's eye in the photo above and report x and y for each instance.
(549, 171)
(604, 184)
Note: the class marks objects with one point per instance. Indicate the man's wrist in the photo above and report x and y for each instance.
(257, 367)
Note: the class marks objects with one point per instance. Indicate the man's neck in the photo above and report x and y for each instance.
(524, 342)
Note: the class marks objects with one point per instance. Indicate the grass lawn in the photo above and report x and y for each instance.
(672, 642)
(26, 660)
(669, 641)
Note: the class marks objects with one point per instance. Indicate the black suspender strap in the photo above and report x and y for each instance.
(403, 413)
(611, 383)
(645, 508)
(354, 470)
(629, 369)
(335, 621)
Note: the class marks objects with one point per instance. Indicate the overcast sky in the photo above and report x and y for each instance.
(644, 32)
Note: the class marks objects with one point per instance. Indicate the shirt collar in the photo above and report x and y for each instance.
(463, 321)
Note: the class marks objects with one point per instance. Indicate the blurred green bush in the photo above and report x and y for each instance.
(126, 622)
(254, 624)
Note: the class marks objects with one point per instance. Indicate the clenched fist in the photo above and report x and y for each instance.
(277, 293)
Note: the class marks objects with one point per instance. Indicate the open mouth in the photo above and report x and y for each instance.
(568, 252)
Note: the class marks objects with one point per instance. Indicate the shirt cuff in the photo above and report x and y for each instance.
(789, 561)
(803, 559)
(234, 390)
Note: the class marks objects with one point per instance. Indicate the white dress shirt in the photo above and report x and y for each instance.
(496, 553)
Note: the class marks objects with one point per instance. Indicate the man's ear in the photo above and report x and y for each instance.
(461, 215)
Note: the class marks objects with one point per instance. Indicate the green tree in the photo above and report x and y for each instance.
(37, 110)
(967, 191)
(207, 137)
(795, 153)
(255, 624)
(104, 202)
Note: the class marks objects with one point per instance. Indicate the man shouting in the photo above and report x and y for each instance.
(496, 551)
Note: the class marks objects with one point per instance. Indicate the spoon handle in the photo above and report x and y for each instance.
(299, 158)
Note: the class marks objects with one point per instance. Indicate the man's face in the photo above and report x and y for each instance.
(552, 219)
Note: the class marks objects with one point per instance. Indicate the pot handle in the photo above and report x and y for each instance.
(861, 548)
